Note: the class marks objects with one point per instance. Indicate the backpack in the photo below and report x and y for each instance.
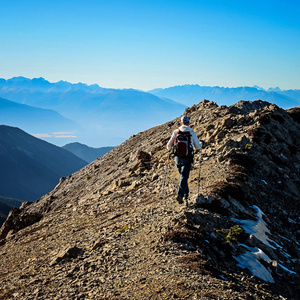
(182, 145)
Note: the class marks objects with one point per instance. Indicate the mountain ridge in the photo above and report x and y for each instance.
(106, 232)
(85, 152)
(45, 85)
(188, 94)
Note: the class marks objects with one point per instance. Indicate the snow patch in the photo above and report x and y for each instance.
(286, 269)
(292, 221)
(249, 260)
(256, 227)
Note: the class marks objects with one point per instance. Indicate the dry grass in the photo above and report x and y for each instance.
(197, 263)
(223, 189)
(183, 235)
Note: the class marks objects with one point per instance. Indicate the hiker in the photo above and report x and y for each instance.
(180, 139)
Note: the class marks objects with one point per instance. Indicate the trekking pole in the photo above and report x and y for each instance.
(162, 188)
(199, 171)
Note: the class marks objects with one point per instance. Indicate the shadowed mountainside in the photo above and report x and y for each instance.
(104, 232)
(31, 167)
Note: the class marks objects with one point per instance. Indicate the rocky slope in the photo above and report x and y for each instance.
(107, 232)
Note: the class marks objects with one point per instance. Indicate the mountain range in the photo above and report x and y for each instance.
(31, 167)
(192, 94)
(99, 117)
(105, 116)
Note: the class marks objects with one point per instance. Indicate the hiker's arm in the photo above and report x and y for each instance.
(171, 140)
(196, 142)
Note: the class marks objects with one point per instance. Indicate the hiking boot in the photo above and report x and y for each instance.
(186, 198)
(186, 202)
(179, 199)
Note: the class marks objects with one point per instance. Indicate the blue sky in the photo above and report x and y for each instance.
(151, 44)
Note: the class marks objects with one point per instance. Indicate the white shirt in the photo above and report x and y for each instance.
(184, 128)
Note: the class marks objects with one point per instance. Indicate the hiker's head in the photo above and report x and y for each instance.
(185, 120)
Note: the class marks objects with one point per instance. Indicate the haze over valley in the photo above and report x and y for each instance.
(101, 117)
(63, 113)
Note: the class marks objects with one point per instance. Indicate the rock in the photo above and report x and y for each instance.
(17, 220)
(154, 176)
(225, 204)
(228, 122)
(245, 107)
(123, 182)
(99, 243)
(202, 200)
(66, 254)
(238, 207)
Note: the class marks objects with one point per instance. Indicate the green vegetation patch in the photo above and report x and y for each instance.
(124, 228)
(234, 234)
